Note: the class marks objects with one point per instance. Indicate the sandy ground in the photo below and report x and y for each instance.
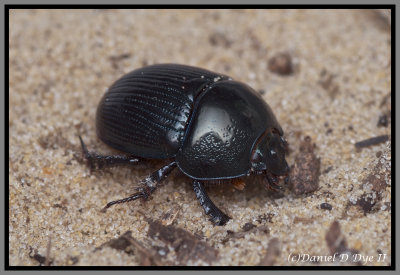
(62, 61)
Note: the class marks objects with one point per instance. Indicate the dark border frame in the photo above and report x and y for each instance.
(8, 7)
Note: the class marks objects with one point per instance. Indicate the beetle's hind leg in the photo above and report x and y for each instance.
(99, 161)
(217, 216)
(149, 184)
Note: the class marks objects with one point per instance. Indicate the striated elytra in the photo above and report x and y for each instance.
(209, 126)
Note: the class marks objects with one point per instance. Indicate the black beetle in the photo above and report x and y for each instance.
(211, 127)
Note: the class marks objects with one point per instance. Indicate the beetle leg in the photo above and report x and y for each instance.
(149, 184)
(273, 182)
(130, 198)
(217, 216)
(99, 161)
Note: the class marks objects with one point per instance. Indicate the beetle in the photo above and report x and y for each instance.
(207, 125)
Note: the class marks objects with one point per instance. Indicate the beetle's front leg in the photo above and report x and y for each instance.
(272, 182)
(217, 216)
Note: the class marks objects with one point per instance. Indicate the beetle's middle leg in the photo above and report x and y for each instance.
(149, 184)
(217, 216)
(99, 161)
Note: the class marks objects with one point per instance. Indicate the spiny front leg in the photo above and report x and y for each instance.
(149, 184)
(99, 161)
(273, 182)
(217, 216)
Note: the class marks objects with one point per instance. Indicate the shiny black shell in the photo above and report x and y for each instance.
(227, 121)
(206, 121)
(145, 113)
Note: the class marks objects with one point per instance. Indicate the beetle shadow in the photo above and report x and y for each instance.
(224, 193)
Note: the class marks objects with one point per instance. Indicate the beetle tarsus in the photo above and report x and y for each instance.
(99, 161)
(149, 185)
(217, 217)
(273, 182)
(130, 198)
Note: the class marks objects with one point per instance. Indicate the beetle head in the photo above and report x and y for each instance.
(269, 154)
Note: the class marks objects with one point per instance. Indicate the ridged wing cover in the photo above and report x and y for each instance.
(145, 112)
(228, 120)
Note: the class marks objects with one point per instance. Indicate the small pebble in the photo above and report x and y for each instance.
(281, 64)
(248, 226)
(383, 121)
(326, 206)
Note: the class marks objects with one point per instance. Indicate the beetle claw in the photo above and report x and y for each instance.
(132, 197)
(220, 220)
(273, 182)
(88, 156)
(274, 187)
